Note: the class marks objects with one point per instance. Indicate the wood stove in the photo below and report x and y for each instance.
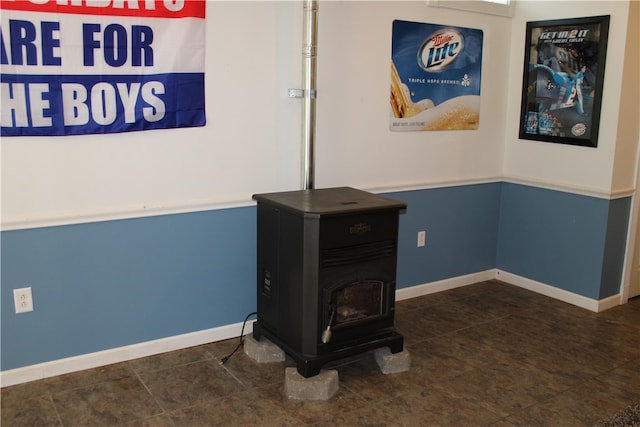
(327, 273)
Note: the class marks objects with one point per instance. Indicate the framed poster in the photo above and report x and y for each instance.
(562, 83)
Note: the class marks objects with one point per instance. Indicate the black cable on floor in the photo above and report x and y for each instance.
(227, 357)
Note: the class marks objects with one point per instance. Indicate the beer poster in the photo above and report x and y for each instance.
(562, 82)
(435, 77)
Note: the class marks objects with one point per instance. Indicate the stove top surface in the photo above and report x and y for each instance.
(338, 200)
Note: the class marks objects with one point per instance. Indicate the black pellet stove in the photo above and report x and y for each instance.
(327, 273)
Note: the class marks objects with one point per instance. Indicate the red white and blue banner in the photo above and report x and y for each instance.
(71, 67)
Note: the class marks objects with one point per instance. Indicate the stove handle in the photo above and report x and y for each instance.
(326, 334)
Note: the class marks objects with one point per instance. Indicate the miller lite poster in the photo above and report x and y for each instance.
(435, 77)
(563, 79)
(101, 66)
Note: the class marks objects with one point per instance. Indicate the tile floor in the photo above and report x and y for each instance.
(484, 354)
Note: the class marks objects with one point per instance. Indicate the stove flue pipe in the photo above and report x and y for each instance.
(309, 54)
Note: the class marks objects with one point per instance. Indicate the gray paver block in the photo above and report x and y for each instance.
(390, 363)
(319, 387)
(263, 351)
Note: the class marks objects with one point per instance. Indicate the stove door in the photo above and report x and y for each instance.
(356, 302)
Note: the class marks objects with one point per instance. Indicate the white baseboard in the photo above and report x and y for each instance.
(150, 348)
(512, 279)
(609, 302)
(120, 354)
(444, 285)
(559, 294)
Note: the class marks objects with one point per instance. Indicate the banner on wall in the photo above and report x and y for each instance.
(435, 77)
(71, 67)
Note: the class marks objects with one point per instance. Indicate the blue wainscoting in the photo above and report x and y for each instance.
(105, 285)
(568, 241)
(461, 225)
(615, 246)
(110, 284)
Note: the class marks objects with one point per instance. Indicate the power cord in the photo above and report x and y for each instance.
(227, 357)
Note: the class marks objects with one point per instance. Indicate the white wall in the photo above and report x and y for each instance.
(583, 169)
(624, 171)
(354, 144)
(249, 145)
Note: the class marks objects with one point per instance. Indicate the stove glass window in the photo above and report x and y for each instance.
(358, 301)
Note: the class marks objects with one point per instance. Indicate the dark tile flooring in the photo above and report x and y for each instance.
(484, 354)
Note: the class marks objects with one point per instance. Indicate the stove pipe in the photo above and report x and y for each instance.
(309, 54)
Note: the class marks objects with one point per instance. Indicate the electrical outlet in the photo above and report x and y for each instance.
(422, 238)
(23, 300)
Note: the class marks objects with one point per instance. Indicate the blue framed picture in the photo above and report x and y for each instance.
(562, 82)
